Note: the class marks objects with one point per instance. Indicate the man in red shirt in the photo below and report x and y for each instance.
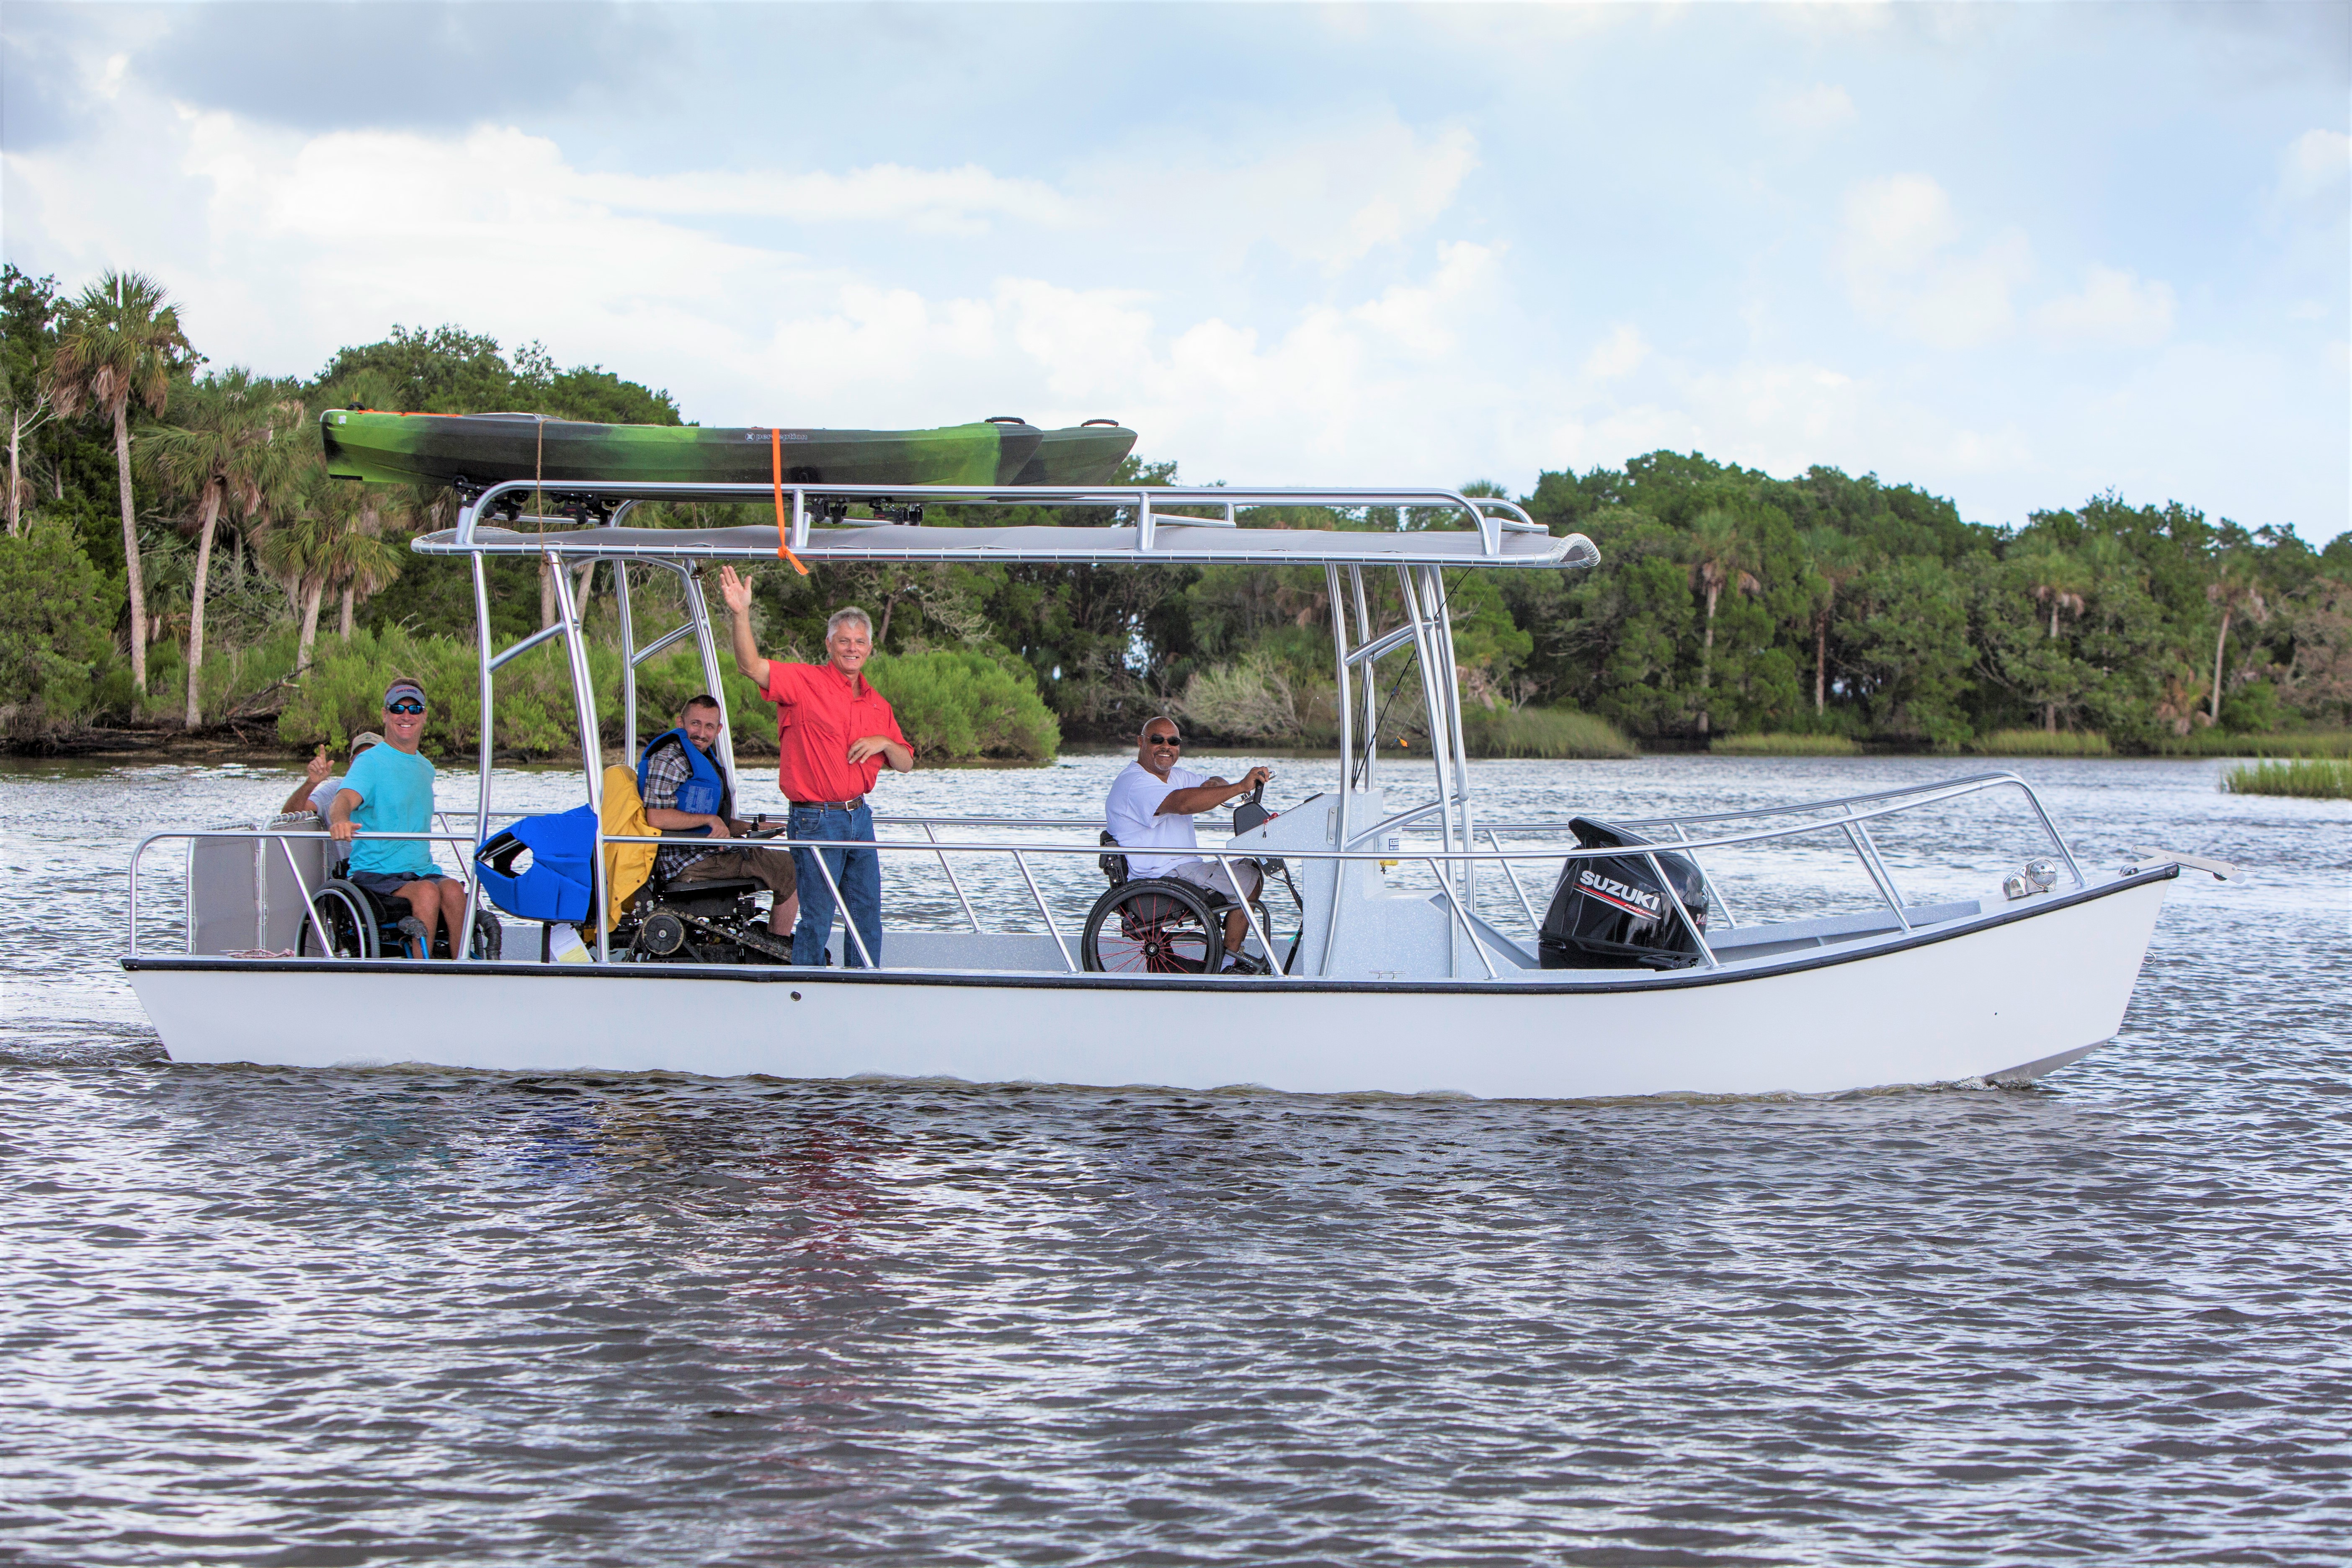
(834, 733)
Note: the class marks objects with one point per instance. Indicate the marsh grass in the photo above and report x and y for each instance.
(1549, 733)
(2322, 778)
(2287, 744)
(1771, 745)
(2043, 743)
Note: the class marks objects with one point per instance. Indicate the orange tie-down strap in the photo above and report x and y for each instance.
(783, 528)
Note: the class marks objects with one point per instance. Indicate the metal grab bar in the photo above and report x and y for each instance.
(1689, 924)
(1858, 812)
(953, 882)
(1526, 907)
(1454, 907)
(1051, 929)
(847, 921)
(1249, 911)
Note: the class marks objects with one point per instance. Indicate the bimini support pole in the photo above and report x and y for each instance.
(628, 666)
(698, 615)
(592, 751)
(628, 648)
(485, 742)
(1372, 692)
(1347, 756)
(1419, 617)
(1450, 680)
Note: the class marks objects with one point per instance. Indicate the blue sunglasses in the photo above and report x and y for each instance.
(405, 705)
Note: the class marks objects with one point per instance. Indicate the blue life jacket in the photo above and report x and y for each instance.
(705, 791)
(559, 882)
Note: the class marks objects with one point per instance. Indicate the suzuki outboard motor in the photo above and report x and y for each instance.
(1611, 913)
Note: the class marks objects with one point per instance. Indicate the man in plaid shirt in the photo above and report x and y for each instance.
(666, 770)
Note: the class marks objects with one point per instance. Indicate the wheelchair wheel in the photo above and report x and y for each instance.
(489, 936)
(1150, 927)
(348, 916)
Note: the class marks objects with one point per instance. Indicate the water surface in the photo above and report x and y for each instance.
(260, 1316)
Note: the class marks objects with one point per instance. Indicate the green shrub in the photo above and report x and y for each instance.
(1250, 699)
(953, 706)
(958, 706)
(1546, 732)
(2312, 778)
(2043, 743)
(57, 612)
(1772, 745)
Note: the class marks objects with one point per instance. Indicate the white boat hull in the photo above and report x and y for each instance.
(2006, 1000)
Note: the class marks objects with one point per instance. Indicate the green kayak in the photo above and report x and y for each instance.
(475, 450)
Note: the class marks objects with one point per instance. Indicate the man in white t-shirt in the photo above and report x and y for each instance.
(1151, 807)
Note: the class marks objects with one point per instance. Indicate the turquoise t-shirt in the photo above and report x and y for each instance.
(395, 791)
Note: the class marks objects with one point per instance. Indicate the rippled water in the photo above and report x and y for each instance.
(278, 1317)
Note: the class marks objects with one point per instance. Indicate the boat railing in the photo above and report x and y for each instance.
(1851, 821)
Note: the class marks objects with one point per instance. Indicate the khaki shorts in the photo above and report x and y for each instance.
(1210, 875)
(772, 868)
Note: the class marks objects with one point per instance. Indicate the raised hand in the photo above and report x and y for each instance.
(317, 769)
(735, 590)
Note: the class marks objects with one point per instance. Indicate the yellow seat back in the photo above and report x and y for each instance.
(626, 866)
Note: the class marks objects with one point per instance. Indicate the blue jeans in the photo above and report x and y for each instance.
(857, 872)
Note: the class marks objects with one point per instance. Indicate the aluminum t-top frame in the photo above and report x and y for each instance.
(1498, 533)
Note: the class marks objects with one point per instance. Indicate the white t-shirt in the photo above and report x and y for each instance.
(322, 799)
(1132, 815)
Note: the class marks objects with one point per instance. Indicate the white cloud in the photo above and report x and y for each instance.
(2315, 165)
(933, 201)
(1331, 199)
(1823, 107)
(1618, 354)
(1902, 271)
(2113, 307)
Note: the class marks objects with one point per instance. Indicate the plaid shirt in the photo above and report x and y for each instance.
(665, 775)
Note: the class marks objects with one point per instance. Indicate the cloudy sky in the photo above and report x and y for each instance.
(2016, 253)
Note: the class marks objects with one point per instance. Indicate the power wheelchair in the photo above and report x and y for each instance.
(1160, 925)
(672, 922)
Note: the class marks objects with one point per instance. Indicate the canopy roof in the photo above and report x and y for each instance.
(1483, 536)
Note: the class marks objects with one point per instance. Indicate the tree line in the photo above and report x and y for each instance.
(1728, 602)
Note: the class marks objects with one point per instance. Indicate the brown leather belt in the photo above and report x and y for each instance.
(826, 804)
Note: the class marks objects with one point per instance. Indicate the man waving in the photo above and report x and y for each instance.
(834, 733)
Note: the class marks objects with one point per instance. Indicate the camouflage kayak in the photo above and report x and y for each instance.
(474, 450)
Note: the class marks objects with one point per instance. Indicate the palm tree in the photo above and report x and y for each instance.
(121, 341)
(321, 542)
(1836, 560)
(2238, 590)
(297, 547)
(233, 437)
(1722, 556)
(362, 563)
(2060, 581)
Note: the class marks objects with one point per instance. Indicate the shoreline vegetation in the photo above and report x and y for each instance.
(177, 571)
(2311, 778)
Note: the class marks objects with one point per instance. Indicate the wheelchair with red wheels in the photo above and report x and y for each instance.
(1161, 925)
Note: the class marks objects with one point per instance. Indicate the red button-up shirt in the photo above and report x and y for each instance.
(819, 711)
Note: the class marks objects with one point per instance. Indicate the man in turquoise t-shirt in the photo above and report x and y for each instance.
(390, 789)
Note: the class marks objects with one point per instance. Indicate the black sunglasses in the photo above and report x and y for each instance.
(1175, 740)
(405, 705)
